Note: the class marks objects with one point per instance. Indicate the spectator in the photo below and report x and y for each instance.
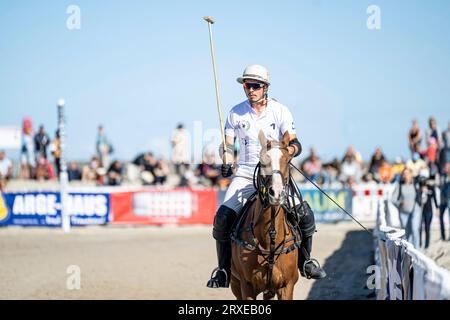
(352, 153)
(446, 144)
(28, 161)
(89, 172)
(114, 173)
(55, 149)
(73, 171)
(104, 147)
(385, 172)
(180, 149)
(44, 170)
(5, 170)
(433, 132)
(406, 197)
(208, 172)
(430, 152)
(397, 169)
(445, 199)
(41, 142)
(161, 172)
(189, 178)
(430, 205)
(414, 138)
(312, 166)
(375, 163)
(350, 168)
(416, 165)
(331, 172)
(148, 166)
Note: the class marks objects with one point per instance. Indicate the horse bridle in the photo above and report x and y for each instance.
(259, 181)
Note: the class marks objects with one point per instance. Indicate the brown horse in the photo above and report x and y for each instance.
(264, 258)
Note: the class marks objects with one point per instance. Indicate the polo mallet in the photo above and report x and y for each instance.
(210, 21)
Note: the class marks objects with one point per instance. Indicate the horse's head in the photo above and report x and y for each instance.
(274, 158)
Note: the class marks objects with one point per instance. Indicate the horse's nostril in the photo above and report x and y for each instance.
(271, 192)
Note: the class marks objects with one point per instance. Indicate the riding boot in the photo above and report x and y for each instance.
(220, 278)
(308, 267)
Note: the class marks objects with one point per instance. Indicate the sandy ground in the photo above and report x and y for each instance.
(159, 263)
(438, 250)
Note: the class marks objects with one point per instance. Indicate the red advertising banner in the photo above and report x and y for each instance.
(159, 206)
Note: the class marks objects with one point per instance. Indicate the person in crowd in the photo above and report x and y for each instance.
(55, 150)
(312, 166)
(148, 166)
(407, 198)
(445, 199)
(430, 205)
(114, 173)
(74, 172)
(208, 171)
(6, 170)
(89, 171)
(433, 132)
(331, 172)
(385, 172)
(44, 170)
(41, 142)
(353, 154)
(180, 149)
(350, 168)
(104, 147)
(376, 162)
(446, 145)
(28, 160)
(397, 169)
(414, 138)
(161, 172)
(416, 165)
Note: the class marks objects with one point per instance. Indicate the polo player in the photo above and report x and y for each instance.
(244, 122)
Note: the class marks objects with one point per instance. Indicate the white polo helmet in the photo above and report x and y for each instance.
(255, 72)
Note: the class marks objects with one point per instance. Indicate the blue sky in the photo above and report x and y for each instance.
(140, 67)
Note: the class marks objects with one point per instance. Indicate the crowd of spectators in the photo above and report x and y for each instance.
(429, 153)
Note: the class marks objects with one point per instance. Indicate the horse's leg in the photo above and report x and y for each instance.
(287, 292)
(247, 290)
(236, 287)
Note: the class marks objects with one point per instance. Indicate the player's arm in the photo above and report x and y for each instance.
(228, 155)
(294, 147)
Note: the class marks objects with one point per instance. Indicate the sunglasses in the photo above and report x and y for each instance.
(253, 85)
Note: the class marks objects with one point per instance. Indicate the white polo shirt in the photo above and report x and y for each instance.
(243, 123)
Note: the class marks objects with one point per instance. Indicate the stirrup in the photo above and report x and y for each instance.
(214, 274)
(316, 264)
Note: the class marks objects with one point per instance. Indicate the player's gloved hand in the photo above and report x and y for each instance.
(227, 170)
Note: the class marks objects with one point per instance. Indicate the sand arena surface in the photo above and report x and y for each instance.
(159, 263)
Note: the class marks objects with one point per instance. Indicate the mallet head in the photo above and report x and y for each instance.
(208, 19)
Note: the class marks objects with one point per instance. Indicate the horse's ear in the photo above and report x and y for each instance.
(286, 138)
(262, 138)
